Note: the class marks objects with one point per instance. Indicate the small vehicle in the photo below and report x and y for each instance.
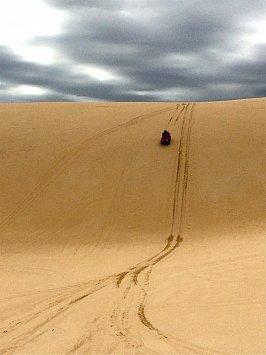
(166, 138)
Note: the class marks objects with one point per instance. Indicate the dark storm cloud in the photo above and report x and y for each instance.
(57, 79)
(74, 4)
(158, 50)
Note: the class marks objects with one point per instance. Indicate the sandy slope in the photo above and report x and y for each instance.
(112, 244)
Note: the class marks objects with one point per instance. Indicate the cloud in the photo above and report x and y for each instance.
(61, 81)
(75, 4)
(149, 51)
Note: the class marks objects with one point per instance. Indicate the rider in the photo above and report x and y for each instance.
(166, 133)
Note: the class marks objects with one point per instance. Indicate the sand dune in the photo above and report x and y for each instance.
(113, 244)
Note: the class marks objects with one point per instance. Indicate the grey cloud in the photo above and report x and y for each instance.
(59, 80)
(190, 49)
(5, 97)
(88, 4)
(127, 42)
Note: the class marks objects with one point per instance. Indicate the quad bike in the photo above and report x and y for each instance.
(166, 138)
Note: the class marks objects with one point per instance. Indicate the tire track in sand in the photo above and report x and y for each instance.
(180, 108)
(137, 279)
(16, 334)
(127, 319)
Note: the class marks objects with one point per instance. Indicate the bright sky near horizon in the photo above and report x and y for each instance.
(154, 50)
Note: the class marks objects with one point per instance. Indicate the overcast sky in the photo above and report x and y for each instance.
(131, 50)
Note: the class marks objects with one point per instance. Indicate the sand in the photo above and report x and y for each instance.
(113, 244)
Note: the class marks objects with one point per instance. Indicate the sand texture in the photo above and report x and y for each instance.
(113, 244)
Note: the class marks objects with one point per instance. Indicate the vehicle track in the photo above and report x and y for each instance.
(128, 313)
(137, 279)
(180, 108)
(34, 323)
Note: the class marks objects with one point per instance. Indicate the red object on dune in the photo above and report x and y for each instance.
(166, 138)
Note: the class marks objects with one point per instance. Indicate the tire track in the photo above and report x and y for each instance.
(35, 323)
(180, 108)
(132, 285)
(131, 293)
(136, 280)
(132, 276)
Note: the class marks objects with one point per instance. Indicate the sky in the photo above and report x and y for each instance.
(131, 50)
